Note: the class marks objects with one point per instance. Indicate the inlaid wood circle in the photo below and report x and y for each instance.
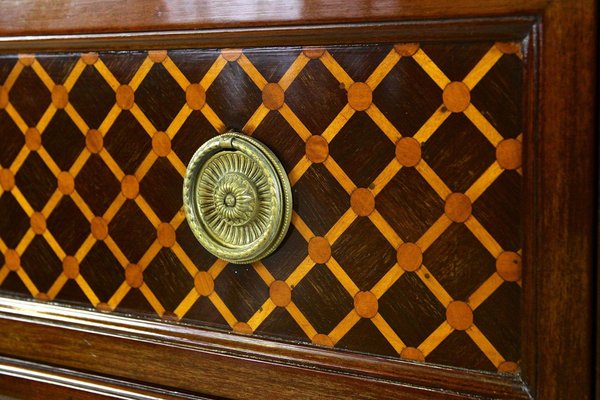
(170, 316)
(366, 304)
(3, 97)
(508, 266)
(70, 267)
(458, 207)
(408, 152)
(204, 283)
(134, 276)
(231, 55)
(362, 202)
(60, 96)
(509, 153)
(12, 260)
(42, 296)
(360, 96)
(94, 141)
(280, 293)
(412, 353)
(195, 96)
(157, 56)
(33, 139)
(125, 97)
(319, 250)
(66, 182)
(459, 315)
(406, 49)
(38, 223)
(317, 149)
(161, 144)
(26, 59)
(104, 307)
(243, 328)
(130, 187)
(166, 234)
(508, 47)
(508, 366)
(456, 97)
(313, 52)
(273, 96)
(409, 256)
(7, 179)
(89, 58)
(322, 340)
(99, 228)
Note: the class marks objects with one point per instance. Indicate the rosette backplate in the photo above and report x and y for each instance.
(237, 198)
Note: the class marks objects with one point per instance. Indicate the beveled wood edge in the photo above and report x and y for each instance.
(531, 173)
(47, 376)
(497, 28)
(31, 320)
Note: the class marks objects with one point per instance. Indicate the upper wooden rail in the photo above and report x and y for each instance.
(34, 17)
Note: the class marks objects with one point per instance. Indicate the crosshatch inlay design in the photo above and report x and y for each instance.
(404, 160)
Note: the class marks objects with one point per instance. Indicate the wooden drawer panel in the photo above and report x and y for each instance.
(405, 164)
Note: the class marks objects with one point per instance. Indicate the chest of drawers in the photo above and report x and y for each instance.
(441, 176)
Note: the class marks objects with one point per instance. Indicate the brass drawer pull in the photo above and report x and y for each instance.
(237, 198)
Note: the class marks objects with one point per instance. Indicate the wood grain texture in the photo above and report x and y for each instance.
(565, 185)
(20, 388)
(26, 380)
(510, 28)
(219, 364)
(61, 17)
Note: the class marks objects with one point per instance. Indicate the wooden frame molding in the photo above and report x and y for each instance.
(561, 184)
(564, 192)
(19, 377)
(499, 28)
(218, 363)
(87, 16)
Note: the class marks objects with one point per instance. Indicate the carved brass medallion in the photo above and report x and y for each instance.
(237, 198)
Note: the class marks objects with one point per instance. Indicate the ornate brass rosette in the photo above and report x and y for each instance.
(237, 198)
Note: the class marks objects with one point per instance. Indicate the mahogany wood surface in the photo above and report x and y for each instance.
(32, 17)
(26, 380)
(512, 27)
(231, 366)
(564, 302)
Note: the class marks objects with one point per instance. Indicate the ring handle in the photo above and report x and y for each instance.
(237, 198)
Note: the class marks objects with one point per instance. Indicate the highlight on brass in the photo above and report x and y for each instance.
(237, 198)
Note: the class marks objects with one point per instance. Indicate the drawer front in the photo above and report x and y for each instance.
(405, 166)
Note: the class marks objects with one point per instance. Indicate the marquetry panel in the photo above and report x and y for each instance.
(405, 164)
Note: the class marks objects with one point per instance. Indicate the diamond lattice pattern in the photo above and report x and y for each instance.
(405, 162)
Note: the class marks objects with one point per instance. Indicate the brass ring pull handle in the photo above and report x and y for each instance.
(237, 198)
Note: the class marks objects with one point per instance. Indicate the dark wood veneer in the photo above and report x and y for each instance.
(457, 150)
